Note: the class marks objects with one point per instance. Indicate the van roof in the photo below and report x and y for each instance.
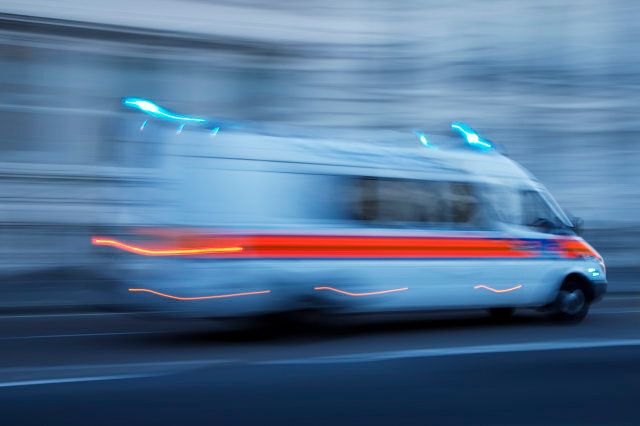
(399, 151)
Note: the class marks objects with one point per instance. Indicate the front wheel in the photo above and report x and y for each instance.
(571, 304)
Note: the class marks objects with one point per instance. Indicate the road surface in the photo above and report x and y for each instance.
(451, 368)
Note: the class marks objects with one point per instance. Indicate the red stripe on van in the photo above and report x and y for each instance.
(324, 246)
(576, 248)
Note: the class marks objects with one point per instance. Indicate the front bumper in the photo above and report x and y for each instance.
(599, 289)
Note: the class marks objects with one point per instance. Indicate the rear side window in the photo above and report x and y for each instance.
(414, 202)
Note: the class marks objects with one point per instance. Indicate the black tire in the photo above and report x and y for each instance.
(572, 303)
(501, 313)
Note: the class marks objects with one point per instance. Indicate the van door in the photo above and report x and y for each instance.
(534, 223)
(440, 246)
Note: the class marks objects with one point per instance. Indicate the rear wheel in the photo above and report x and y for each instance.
(572, 303)
(501, 313)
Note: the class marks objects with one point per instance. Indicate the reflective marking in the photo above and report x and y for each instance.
(611, 297)
(495, 290)
(248, 245)
(251, 246)
(58, 336)
(154, 252)
(371, 293)
(217, 296)
(137, 365)
(89, 314)
(94, 372)
(622, 311)
(73, 379)
(461, 350)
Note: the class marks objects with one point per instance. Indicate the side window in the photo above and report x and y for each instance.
(414, 202)
(505, 202)
(366, 205)
(464, 204)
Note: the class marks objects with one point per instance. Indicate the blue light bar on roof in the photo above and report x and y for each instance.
(471, 137)
(423, 139)
(157, 111)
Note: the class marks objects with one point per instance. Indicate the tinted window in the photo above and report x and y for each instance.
(403, 201)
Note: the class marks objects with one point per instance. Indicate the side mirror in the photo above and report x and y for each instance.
(543, 223)
(578, 224)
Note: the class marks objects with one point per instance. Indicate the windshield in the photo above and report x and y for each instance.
(562, 216)
(530, 208)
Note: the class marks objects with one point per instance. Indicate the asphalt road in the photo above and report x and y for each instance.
(453, 368)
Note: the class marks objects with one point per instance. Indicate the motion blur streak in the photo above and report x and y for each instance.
(216, 296)
(330, 246)
(72, 380)
(154, 252)
(371, 293)
(471, 136)
(495, 290)
(192, 150)
(157, 111)
(575, 248)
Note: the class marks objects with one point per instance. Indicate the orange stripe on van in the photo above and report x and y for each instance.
(368, 293)
(216, 296)
(498, 290)
(162, 251)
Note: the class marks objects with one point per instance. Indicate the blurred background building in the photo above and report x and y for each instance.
(556, 82)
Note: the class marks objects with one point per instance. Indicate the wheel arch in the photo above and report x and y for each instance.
(584, 281)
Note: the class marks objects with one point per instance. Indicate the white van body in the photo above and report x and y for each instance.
(294, 211)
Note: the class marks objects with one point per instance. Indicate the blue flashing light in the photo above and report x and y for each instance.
(595, 273)
(144, 124)
(215, 131)
(423, 139)
(470, 135)
(157, 111)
